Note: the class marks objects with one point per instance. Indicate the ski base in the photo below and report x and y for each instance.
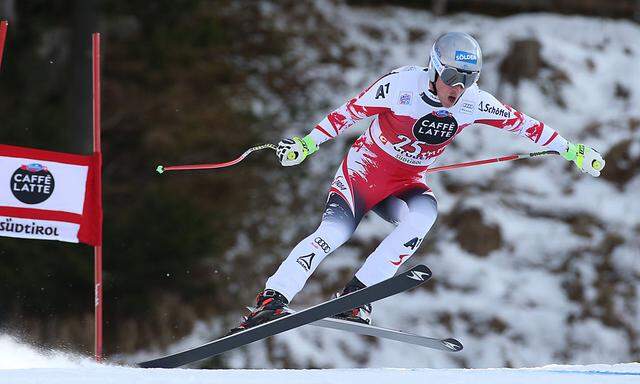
(396, 284)
(449, 344)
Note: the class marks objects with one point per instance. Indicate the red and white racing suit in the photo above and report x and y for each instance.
(384, 169)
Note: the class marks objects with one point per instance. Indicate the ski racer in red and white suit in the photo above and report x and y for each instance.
(414, 119)
(384, 169)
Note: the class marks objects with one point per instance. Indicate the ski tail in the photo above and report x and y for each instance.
(394, 285)
(449, 345)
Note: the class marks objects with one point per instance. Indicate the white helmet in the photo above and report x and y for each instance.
(455, 57)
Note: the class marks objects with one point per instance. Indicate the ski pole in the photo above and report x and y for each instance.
(161, 169)
(490, 161)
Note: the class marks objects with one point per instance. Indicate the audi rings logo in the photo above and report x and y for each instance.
(323, 244)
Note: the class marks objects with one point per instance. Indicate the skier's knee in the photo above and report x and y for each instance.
(330, 236)
(420, 223)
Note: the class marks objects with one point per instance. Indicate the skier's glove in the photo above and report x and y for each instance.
(586, 158)
(293, 151)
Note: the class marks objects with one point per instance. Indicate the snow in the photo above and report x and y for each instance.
(19, 356)
(508, 308)
(529, 200)
(24, 364)
(596, 374)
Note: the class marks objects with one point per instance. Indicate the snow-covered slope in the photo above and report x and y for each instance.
(552, 272)
(598, 374)
(21, 364)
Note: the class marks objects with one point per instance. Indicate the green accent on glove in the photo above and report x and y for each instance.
(309, 147)
(313, 147)
(575, 153)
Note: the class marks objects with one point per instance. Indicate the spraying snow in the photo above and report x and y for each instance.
(17, 355)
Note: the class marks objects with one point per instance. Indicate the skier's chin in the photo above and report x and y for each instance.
(449, 101)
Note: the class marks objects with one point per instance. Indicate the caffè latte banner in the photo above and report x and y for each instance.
(50, 195)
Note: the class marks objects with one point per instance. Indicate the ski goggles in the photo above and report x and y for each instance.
(453, 76)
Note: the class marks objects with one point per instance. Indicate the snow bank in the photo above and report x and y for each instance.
(598, 374)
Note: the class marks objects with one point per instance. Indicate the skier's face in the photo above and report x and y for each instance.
(448, 95)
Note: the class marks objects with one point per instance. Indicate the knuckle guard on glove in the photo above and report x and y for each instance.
(587, 159)
(293, 151)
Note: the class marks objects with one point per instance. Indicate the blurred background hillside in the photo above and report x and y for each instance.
(533, 262)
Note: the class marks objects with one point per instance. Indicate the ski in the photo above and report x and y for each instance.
(449, 345)
(399, 283)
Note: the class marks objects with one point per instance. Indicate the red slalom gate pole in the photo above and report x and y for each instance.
(97, 149)
(3, 35)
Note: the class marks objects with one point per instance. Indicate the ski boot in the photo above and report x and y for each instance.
(270, 305)
(360, 314)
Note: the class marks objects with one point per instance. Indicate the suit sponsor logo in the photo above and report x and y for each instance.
(466, 107)
(382, 92)
(413, 243)
(319, 242)
(405, 98)
(488, 108)
(305, 261)
(435, 128)
(339, 183)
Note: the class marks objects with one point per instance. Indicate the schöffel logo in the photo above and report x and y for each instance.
(32, 183)
(466, 57)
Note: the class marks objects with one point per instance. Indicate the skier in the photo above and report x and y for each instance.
(417, 112)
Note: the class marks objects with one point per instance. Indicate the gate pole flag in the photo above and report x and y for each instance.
(50, 195)
(3, 36)
(98, 153)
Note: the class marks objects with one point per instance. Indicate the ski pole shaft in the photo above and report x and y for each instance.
(490, 161)
(162, 169)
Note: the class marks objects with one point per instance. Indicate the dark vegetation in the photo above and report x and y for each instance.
(179, 82)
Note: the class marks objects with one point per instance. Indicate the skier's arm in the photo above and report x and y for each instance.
(492, 112)
(371, 101)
